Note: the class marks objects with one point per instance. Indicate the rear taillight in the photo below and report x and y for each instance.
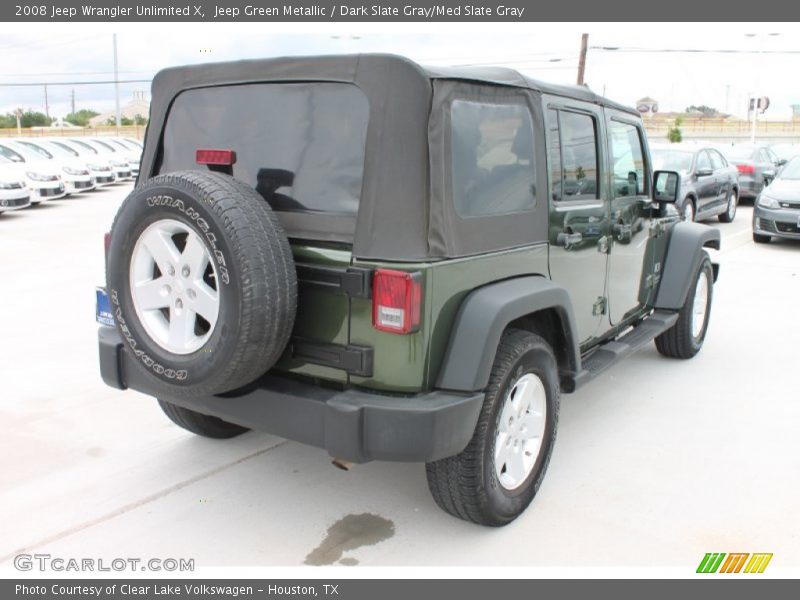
(396, 301)
(746, 169)
(209, 156)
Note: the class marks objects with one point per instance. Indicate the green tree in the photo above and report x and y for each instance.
(81, 117)
(674, 133)
(123, 121)
(29, 118)
(706, 111)
(140, 120)
(32, 118)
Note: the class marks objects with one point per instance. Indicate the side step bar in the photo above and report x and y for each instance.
(612, 352)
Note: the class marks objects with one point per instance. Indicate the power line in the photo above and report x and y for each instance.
(12, 48)
(689, 50)
(41, 83)
(74, 73)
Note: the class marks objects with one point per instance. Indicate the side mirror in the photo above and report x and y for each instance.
(666, 186)
(704, 172)
(781, 162)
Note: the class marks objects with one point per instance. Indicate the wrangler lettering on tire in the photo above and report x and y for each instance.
(202, 282)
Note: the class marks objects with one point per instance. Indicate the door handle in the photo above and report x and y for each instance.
(568, 239)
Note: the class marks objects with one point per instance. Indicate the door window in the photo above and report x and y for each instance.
(703, 162)
(716, 160)
(578, 177)
(627, 157)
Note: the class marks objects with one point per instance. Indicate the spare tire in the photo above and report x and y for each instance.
(201, 281)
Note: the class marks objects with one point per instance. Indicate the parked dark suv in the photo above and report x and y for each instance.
(394, 263)
(710, 184)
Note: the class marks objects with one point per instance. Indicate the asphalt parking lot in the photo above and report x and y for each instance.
(657, 462)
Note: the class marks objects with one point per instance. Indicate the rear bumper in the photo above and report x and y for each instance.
(748, 188)
(353, 425)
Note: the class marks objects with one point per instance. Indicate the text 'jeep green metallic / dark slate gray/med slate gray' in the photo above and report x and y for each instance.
(393, 262)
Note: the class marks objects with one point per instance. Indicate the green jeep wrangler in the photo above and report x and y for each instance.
(394, 263)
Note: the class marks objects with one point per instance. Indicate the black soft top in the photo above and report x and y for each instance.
(400, 214)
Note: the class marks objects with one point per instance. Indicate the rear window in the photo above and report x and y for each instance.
(300, 145)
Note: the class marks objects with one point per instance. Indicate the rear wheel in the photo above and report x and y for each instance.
(685, 338)
(687, 212)
(201, 424)
(497, 475)
(730, 212)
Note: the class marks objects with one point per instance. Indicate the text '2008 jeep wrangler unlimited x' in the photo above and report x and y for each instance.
(394, 263)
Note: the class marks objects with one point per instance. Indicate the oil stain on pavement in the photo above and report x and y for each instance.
(349, 533)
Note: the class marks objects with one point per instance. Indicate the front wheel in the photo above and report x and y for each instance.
(761, 239)
(497, 475)
(685, 338)
(730, 212)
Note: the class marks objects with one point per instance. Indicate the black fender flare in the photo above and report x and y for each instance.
(684, 253)
(484, 315)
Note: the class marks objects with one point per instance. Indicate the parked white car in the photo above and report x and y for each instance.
(101, 170)
(76, 175)
(118, 162)
(130, 151)
(14, 194)
(42, 178)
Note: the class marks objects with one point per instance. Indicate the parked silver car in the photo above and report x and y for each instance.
(777, 210)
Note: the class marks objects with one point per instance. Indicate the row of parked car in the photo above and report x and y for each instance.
(34, 170)
(715, 178)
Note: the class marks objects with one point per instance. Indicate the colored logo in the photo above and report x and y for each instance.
(735, 562)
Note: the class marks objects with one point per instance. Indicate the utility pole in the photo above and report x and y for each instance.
(116, 84)
(727, 97)
(46, 103)
(582, 59)
(73, 101)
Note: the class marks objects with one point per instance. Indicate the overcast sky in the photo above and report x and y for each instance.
(764, 64)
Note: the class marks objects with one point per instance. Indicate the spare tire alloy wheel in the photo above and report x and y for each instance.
(202, 283)
(174, 289)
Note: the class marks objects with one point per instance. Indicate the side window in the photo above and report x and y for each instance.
(578, 156)
(554, 152)
(703, 162)
(773, 158)
(763, 156)
(627, 157)
(493, 158)
(716, 160)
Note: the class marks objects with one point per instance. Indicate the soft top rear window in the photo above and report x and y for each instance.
(300, 145)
